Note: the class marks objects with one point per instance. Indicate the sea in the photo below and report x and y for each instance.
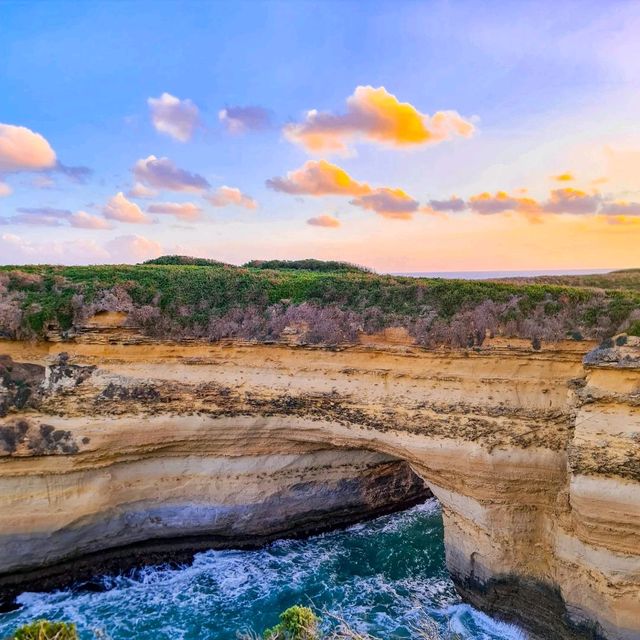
(384, 577)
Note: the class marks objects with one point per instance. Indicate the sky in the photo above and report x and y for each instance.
(404, 136)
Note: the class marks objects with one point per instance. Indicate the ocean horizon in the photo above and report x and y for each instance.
(490, 275)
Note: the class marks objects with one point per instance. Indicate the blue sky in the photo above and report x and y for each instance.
(548, 88)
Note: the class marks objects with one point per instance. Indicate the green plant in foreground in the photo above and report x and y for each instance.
(46, 630)
(300, 623)
(296, 623)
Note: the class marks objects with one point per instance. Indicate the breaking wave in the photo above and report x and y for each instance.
(381, 576)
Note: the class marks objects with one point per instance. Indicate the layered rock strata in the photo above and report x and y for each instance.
(534, 456)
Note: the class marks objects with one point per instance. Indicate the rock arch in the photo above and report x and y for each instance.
(534, 458)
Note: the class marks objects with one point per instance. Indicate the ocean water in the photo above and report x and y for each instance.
(382, 576)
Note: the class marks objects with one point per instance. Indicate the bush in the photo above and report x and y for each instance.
(296, 623)
(621, 341)
(634, 329)
(309, 264)
(46, 630)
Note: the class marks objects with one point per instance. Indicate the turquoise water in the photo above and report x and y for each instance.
(380, 575)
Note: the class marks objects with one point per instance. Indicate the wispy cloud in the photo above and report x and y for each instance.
(181, 210)
(52, 217)
(242, 119)
(567, 176)
(325, 220)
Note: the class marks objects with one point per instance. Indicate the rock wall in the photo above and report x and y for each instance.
(534, 456)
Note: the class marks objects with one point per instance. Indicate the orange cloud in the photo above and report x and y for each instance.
(319, 178)
(377, 116)
(123, 210)
(24, 150)
(564, 177)
(570, 200)
(5, 189)
(500, 202)
(226, 196)
(324, 221)
(621, 208)
(389, 203)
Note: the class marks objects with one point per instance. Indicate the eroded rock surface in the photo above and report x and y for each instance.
(534, 456)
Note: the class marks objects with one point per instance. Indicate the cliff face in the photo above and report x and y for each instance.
(534, 456)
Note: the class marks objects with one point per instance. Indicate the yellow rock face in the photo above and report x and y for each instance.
(534, 457)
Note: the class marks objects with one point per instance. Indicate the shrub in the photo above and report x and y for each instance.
(634, 329)
(296, 623)
(186, 260)
(46, 630)
(621, 341)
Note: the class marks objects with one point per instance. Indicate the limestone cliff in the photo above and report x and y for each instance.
(534, 456)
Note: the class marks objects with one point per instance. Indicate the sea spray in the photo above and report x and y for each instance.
(379, 575)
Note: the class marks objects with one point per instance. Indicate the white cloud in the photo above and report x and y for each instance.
(161, 173)
(18, 250)
(181, 210)
(24, 150)
(133, 248)
(140, 191)
(123, 210)
(226, 196)
(174, 117)
(84, 220)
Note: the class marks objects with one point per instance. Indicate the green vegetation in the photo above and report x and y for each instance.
(46, 630)
(623, 279)
(309, 264)
(634, 329)
(301, 623)
(296, 623)
(187, 260)
(330, 302)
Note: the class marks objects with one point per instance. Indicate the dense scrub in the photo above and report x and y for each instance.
(215, 301)
(623, 279)
(309, 264)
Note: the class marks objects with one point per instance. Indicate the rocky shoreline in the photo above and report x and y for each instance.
(388, 488)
